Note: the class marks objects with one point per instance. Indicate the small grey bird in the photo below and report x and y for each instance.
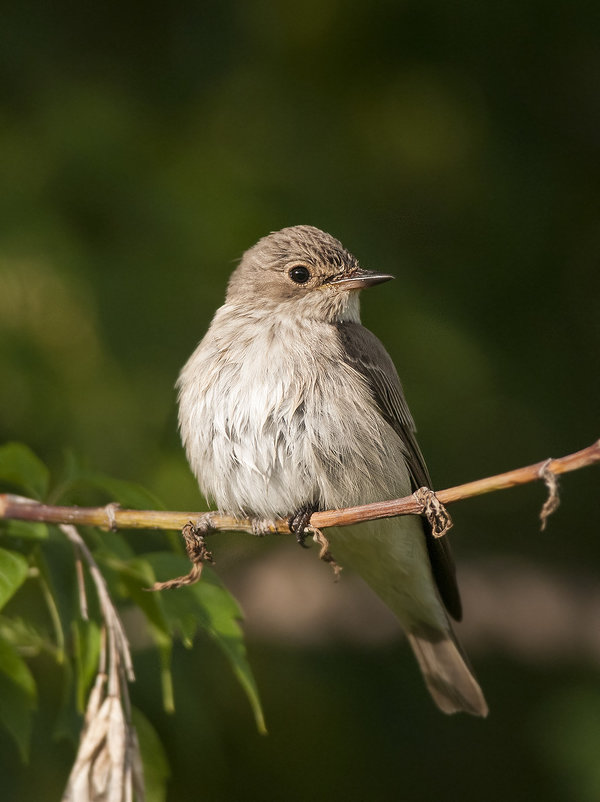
(289, 405)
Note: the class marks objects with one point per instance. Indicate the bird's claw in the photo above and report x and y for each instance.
(298, 523)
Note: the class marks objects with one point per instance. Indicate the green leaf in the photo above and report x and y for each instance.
(28, 530)
(156, 766)
(76, 478)
(86, 643)
(137, 576)
(67, 724)
(111, 545)
(26, 637)
(21, 467)
(128, 494)
(210, 605)
(17, 696)
(58, 584)
(13, 572)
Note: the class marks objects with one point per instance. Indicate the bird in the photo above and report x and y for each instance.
(289, 405)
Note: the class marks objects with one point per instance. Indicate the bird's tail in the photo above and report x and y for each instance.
(448, 677)
(392, 558)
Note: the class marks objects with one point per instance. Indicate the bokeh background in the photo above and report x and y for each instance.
(456, 145)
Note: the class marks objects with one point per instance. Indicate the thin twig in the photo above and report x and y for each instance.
(107, 767)
(324, 552)
(83, 605)
(109, 611)
(112, 517)
(195, 545)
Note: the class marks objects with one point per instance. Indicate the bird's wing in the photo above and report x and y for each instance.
(365, 353)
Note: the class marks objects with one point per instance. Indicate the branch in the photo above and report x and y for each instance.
(112, 517)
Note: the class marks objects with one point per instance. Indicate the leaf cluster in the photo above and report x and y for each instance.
(48, 607)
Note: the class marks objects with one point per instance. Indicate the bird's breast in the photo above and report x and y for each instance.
(273, 418)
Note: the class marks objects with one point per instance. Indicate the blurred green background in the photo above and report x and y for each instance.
(456, 145)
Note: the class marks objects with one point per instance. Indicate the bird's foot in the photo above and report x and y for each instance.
(300, 525)
(299, 521)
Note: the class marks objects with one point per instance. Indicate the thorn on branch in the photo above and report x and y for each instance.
(432, 508)
(195, 545)
(552, 503)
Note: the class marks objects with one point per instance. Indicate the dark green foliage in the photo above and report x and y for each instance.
(453, 144)
(56, 626)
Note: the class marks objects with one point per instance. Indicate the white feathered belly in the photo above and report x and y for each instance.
(267, 436)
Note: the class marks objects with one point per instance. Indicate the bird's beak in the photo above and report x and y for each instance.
(360, 279)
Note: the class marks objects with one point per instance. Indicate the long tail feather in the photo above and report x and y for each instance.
(447, 676)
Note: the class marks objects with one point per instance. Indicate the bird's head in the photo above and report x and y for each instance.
(303, 272)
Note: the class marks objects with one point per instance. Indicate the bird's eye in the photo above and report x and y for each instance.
(300, 274)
